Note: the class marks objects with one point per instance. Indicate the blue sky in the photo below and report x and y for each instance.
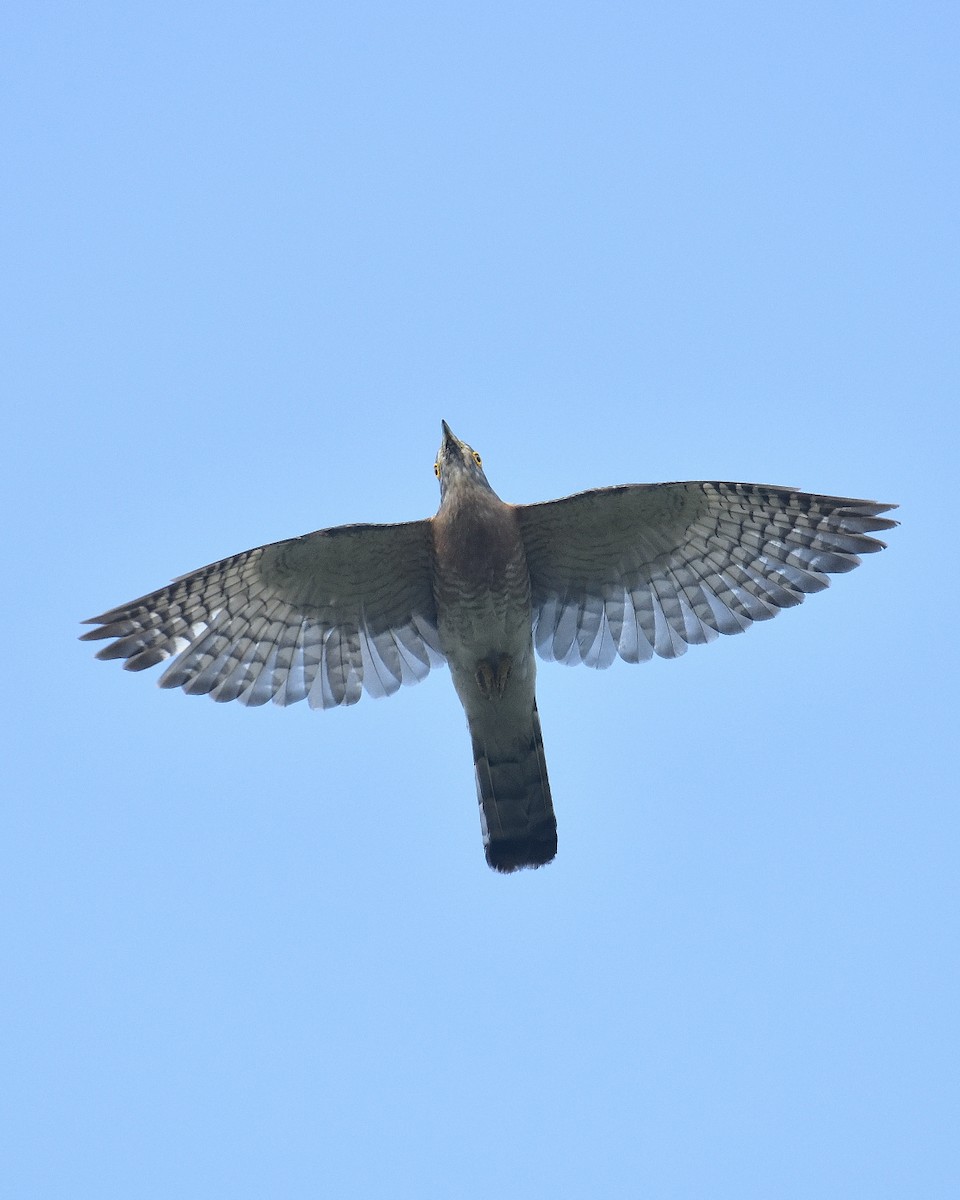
(252, 256)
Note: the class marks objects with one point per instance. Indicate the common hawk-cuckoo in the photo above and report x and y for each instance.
(632, 571)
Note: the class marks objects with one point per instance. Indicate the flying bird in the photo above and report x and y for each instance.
(625, 572)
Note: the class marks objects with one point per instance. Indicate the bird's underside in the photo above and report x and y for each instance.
(625, 572)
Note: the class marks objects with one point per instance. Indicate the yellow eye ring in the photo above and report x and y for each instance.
(436, 469)
(477, 459)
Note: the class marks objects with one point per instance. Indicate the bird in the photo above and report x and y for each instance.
(486, 586)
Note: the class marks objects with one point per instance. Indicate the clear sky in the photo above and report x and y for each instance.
(252, 255)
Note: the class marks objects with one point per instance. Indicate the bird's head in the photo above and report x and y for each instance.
(458, 466)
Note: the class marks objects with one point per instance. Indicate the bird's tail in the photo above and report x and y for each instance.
(516, 811)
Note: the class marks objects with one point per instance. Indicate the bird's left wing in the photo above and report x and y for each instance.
(319, 617)
(652, 568)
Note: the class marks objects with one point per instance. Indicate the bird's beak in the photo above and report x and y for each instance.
(451, 444)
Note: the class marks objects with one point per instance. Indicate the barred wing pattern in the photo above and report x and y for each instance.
(653, 568)
(320, 617)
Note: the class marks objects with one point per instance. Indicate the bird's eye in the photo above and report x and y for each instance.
(436, 469)
(477, 459)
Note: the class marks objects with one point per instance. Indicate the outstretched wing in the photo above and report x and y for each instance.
(320, 617)
(652, 568)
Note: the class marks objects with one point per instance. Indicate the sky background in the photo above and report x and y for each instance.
(252, 255)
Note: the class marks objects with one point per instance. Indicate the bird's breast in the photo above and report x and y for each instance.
(481, 581)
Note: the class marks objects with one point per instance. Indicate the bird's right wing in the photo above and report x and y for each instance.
(652, 568)
(320, 617)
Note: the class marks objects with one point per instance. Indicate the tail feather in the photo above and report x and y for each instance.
(516, 810)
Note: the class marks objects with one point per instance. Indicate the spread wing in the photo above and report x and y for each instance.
(652, 568)
(320, 617)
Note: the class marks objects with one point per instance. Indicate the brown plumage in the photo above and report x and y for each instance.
(627, 571)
